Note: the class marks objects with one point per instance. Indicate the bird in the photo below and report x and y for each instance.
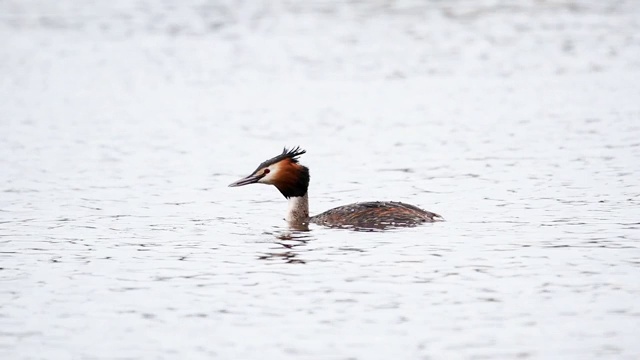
(291, 178)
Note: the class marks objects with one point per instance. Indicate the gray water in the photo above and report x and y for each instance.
(122, 122)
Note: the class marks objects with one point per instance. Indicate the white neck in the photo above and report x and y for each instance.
(298, 212)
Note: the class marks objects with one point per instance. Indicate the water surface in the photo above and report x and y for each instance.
(122, 124)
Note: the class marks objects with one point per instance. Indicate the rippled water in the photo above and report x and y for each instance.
(123, 122)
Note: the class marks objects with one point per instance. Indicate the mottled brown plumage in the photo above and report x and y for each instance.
(374, 215)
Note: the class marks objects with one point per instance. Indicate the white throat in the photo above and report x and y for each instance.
(298, 212)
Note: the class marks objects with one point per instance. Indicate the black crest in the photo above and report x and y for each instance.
(286, 154)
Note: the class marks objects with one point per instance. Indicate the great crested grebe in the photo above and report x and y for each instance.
(292, 179)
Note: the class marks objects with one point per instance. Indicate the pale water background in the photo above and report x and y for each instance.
(122, 122)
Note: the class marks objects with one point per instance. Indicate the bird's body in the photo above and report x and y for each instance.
(292, 179)
(374, 214)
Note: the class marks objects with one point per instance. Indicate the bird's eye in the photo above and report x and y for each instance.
(266, 171)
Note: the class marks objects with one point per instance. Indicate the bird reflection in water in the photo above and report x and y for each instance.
(289, 243)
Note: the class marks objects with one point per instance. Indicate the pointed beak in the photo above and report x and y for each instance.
(251, 179)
